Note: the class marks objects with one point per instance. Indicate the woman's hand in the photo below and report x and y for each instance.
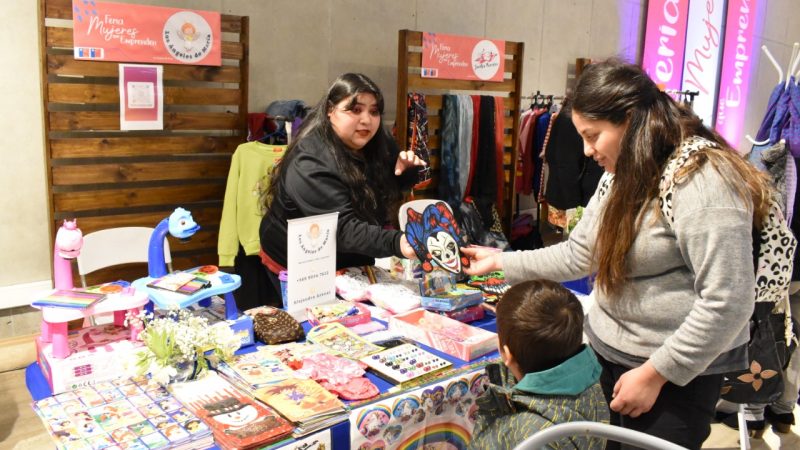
(405, 160)
(406, 249)
(636, 390)
(482, 260)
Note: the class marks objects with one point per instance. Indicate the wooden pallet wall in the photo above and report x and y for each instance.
(409, 79)
(109, 178)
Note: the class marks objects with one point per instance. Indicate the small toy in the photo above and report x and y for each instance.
(181, 225)
(436, 237)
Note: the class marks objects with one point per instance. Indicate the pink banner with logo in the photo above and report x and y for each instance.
(462, 57)
(105, 31)
(737, 64)
(703, 50)
(665, 41)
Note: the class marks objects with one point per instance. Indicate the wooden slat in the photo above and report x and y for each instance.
(207, 217)
(109, 93)
(58, 37)
(132, 172)
(107, 120)
(417, 82)
(141, 146)
(62, 9)
(69, 66)
(123, 198)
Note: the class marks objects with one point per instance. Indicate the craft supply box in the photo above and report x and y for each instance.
(444, 334)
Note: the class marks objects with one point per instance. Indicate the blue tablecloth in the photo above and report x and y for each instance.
(340, 433)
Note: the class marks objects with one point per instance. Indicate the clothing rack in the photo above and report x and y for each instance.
(686, 96)
(409, 79)
(108, 178)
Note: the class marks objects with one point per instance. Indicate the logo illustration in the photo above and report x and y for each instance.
(485, 59)
(187, 36)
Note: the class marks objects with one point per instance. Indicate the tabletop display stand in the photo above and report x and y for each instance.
(409, 79)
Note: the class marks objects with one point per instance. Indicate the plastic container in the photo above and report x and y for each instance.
(283, 277)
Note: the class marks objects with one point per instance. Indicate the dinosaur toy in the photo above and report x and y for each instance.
(179, 224)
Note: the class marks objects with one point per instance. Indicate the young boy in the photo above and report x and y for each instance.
(553, 376)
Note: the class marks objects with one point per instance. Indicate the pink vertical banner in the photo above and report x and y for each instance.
(665, 41)
(737, 64)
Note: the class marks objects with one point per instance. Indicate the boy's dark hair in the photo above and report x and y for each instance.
(541, 322)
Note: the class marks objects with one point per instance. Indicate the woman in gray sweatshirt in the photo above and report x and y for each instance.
(673, 298)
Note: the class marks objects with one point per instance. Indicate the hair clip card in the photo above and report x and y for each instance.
(404, 363)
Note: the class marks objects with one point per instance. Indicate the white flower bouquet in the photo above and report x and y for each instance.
(176, 345)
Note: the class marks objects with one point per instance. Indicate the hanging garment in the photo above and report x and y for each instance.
(540, 134)
(242, 207)
(255, 126)
(769, 116)
(473, 152)
(448, 181)
(463, 151)
(418, 136)
(484, 183)
(524, 157)
(499, 150)
(573, 177)
(792, 131)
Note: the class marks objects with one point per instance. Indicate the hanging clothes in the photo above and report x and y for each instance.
(523, 172)
(573, 176)
(448, 180)
(242, 209)
(464, 149)
(499, 150)
(418, 136)
(484, 183)
(473, 152)
(540, 134)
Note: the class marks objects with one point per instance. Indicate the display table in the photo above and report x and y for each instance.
(340, 433)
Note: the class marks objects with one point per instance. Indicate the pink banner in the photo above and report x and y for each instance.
(104, 31)
(665, 41)
(462, 57)
(737, 56)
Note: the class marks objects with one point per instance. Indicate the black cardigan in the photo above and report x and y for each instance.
(312, 185)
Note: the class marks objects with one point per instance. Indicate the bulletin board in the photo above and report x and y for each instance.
(109, 178)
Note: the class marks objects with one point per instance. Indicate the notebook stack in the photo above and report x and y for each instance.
(125, 413)
(305, 403)
(237, 421)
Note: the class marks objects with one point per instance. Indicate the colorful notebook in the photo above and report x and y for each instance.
(180, 282)
(339, 340)
(64, 298)
(237, 420)
(125, 413)
(300, 400)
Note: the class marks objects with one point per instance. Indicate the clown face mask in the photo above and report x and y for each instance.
(444, 251)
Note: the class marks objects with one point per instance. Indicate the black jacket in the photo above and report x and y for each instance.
(312, 185)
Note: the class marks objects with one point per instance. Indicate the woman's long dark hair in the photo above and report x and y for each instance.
(373, 162)
(618, 92)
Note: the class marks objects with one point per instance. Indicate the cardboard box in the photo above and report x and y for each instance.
(444, 334)
(97, 354)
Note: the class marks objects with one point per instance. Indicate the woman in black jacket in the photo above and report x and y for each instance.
(341, 161)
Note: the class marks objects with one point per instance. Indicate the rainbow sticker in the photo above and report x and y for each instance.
(448, 435)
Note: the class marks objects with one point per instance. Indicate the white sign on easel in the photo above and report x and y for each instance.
(310, 263)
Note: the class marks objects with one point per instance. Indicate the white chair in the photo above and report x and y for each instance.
(610, 432)
(115, 246)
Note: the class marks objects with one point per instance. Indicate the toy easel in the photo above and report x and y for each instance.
(181, 225)
(68, 243)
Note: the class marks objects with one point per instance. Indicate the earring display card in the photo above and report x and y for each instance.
(404, 363)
